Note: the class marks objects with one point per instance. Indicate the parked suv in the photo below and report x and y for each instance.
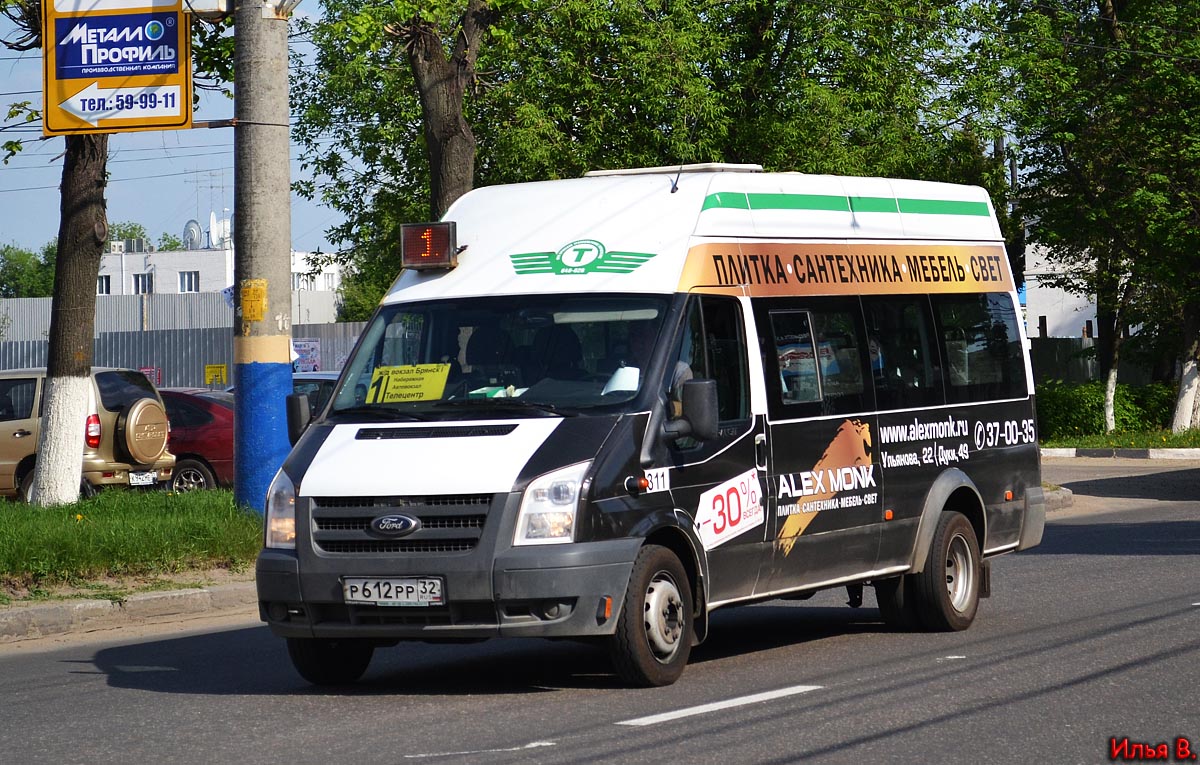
(125, 442)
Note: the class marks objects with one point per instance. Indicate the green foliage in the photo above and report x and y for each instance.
(118, 230)
(169, 242)
(24, 274)
(565, 86)
(125, 533)
(1070, 411)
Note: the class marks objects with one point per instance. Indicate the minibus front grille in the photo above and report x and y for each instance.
(380, 546)
(452, 523)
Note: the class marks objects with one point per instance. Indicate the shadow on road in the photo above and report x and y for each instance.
(253, 662)
(1136, 538)
(1173, 485)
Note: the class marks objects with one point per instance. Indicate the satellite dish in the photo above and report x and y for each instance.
(193, 237)
(213, 234)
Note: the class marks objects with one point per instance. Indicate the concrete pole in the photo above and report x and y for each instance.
(262, 323)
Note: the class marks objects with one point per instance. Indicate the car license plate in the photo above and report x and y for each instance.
(146, 478)
(409, 591)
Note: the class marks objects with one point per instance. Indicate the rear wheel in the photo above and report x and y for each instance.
(191, 475)
(947, 591)
(654, 631)
(25, 488)
(323, 661)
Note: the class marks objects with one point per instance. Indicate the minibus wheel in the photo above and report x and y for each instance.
(653, 638)
(947, 591)
(323, 661)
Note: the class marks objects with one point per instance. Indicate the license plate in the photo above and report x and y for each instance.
(147, 478)
(409, 591)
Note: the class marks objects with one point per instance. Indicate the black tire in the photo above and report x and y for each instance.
(192, 475)
(947, 591)
(323, 661)
(897, 602)
(654, 632)
(86, 490)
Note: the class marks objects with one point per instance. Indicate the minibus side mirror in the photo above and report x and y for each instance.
(299, 414)
(699, 416)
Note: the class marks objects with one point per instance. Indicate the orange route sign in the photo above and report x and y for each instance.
(112, 66)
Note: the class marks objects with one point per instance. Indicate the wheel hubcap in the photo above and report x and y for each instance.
(188, 480)
(960, 573)
(664, 615)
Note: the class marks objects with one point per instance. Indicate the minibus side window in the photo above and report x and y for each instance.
(820, 359)
(904, 360)
(982, 346)
(712, 346)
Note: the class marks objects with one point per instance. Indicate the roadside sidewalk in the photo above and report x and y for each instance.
(27, 622)
(1136, 454)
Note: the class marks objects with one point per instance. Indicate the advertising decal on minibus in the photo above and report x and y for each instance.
(772, 268)
(583, 256)
(843, 477)
(730, 509)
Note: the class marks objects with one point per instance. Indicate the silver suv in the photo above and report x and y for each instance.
(125, 441)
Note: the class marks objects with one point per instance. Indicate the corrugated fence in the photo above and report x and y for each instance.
(185, 357)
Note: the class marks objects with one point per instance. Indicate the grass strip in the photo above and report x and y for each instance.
(1148, 439)
(124, 533)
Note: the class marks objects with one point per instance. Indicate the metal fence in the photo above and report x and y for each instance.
(200, 357)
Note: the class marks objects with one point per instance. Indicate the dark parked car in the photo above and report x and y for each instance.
(201, 437)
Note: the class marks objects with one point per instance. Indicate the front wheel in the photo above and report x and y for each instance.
(653, 639)
(947, 591)
(323, 661)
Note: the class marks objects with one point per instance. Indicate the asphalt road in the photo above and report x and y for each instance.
(1091, 636)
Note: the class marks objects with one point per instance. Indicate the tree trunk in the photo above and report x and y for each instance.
(1189, 380)
(441, 84)
(1110, 386)
(82, 233)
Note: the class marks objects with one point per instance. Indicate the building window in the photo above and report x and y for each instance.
(143, 284)
(104, 285)
(189, 281)
(328, 282)
(302, 281)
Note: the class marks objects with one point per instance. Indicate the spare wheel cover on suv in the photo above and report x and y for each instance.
(142, 430)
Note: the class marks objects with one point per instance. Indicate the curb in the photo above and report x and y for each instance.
(1059, 499)
(1137, 454)
(47, 619)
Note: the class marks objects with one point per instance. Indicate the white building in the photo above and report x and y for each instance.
(133, 267)
(1051, 311)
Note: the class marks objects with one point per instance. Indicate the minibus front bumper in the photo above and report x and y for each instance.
(564, 590)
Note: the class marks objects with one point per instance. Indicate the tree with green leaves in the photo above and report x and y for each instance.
(26, 274)
(82, 237)
(1104, 94)
(560, 87)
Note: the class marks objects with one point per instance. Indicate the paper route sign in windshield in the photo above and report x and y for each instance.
(420, 382)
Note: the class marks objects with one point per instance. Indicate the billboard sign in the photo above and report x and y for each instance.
(116, 65)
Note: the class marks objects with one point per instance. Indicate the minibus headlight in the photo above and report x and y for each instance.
(281, 513)
(549, 505)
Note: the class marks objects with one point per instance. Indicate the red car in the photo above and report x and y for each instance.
(201, 437)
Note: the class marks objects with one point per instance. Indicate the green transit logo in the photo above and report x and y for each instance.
(583, 256)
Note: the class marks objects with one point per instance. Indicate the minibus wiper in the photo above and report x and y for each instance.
(378, 413)
(507, 403)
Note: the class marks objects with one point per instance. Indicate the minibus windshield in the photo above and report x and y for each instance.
(517, 355)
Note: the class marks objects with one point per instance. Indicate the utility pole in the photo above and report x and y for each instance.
(262, 322)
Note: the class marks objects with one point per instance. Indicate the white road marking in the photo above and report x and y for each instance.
(714, 706)
(533, 745)
(946, 658)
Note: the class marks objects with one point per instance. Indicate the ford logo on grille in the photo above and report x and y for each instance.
(395, 525)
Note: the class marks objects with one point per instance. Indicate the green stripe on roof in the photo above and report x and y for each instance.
(873, 204)
(942, 207)
(726, 200)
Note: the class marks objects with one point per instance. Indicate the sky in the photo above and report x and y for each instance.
(160, 179)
